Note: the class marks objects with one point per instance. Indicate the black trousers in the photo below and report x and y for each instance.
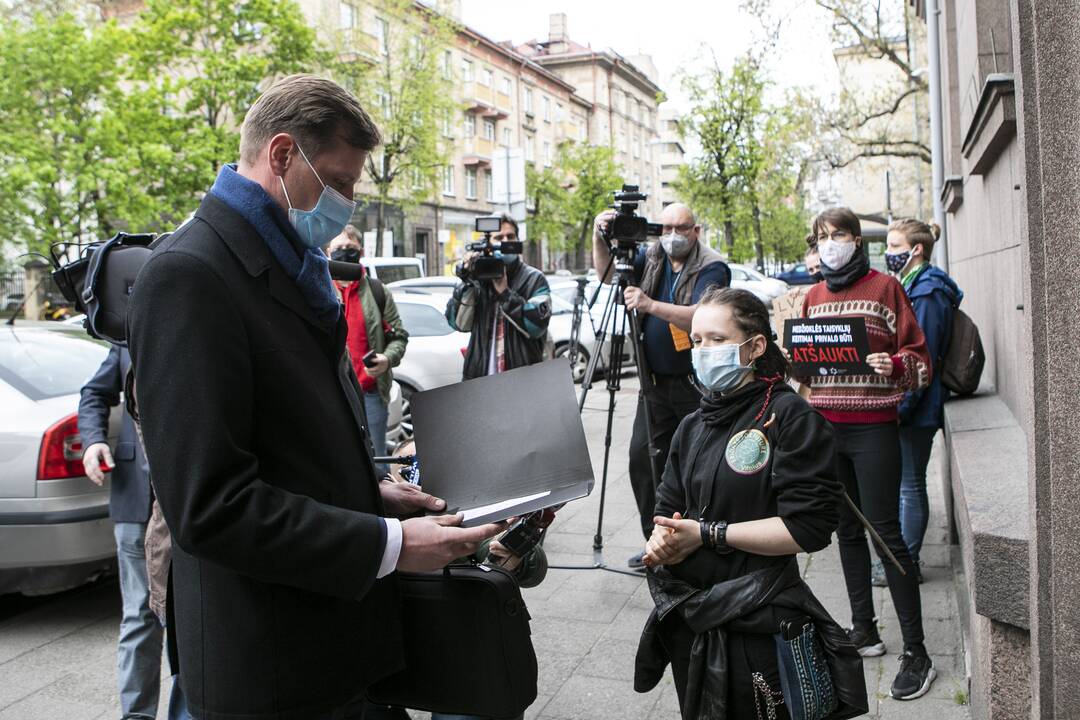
(672, 398)
(868, 464)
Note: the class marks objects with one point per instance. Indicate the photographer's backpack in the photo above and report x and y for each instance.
(963, 364)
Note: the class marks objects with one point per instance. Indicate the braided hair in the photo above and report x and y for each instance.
(752, 317)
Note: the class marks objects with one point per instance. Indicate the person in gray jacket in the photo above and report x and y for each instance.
(139, 651)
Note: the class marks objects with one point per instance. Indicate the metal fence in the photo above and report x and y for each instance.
(12, 287)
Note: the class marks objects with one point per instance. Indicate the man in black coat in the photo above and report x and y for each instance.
(139, 646)
(284, 599)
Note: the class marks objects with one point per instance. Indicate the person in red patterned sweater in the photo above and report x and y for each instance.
(863, 412)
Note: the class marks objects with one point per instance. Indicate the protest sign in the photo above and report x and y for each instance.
(788, 307)
(827, 346)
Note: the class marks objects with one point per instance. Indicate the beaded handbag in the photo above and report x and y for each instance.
(804, 671)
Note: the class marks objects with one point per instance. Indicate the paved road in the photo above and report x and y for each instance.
(57, 657)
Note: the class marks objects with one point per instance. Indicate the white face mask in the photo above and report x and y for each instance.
(835, 255)
(675, 245)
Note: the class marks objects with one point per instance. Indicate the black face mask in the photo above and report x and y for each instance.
(818, 276)
(346, 254)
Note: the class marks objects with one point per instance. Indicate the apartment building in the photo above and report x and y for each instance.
(672, 155)
(623, 93)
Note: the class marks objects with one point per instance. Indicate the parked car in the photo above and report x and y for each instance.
(560, 328)
(797, 274)
(55, 531)
(566, 290)
(766, 289)
(436, 352)
(391, 269)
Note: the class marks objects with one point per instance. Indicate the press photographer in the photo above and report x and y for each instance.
(503, 302)
(670, 277)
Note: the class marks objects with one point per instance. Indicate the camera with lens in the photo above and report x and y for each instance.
(628, 229)
(489, 265)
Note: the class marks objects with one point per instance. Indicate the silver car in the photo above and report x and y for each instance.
(55, 531)
(560, 326)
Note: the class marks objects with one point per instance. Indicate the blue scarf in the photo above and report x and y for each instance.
(310, 271)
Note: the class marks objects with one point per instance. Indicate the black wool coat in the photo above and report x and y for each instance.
(256, 437)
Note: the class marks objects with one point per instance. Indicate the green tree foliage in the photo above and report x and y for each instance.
(567, 196)
(108, 128)
(409, 90)
(56, 143)
(755, 157)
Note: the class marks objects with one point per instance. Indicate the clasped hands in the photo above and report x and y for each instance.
(673, 540)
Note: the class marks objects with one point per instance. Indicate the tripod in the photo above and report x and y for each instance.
(615, 321)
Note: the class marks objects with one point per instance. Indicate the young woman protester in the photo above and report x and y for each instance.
(934, 297)
(750, 482)
(863, 413)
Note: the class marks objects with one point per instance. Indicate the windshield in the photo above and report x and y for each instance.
(43, 364)
(422, 320)
(393, 273)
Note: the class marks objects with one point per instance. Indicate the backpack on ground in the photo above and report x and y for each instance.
(963, 364)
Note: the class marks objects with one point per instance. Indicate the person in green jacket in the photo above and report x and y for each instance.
(374, 325)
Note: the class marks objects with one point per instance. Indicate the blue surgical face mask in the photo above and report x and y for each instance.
(326, 220)
(717, 367)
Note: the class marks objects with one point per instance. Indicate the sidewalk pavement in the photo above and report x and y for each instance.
(59, 660)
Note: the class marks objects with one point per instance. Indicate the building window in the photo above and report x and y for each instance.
(558, 112)
(466, 70)
(530, 147)
(417, 178)
(349, 16)
(547, 154)
(448, 180)
(528, 101)
(447, 58)
(489, 187)
(470, 125)
(486, 77)
(489, 130)
(506, 136)
(382, 32)
(507, 86)
(547, 109)
(470, 183)
(446, 131)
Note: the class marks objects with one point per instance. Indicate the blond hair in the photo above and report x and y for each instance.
(916, 232)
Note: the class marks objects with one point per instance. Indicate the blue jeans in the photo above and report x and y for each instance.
(915, 446)
(377, 416)
(139, 651)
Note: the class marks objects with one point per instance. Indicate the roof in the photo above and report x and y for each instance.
(577, 54)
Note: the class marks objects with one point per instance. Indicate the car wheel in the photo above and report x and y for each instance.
(580, 366)
(406, 412)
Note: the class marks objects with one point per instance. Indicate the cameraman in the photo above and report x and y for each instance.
(670, 276)
(508, 317)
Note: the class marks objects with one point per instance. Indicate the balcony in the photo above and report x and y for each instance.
(481, 99)
(477, 152)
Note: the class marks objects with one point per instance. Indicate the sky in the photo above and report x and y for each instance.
(680, 35)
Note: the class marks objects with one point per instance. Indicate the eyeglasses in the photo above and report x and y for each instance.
(837, 235)
(679, 228)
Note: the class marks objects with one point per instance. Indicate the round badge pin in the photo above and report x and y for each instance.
(747, 451)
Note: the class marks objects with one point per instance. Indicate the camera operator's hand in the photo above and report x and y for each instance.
(499, 555)
(500, 284)
(405, 499)
(380, 366)
(430, 543)
(636, 299)
(601, 223)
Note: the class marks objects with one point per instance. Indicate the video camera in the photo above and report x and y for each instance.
(490, 266)
(627, 228)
